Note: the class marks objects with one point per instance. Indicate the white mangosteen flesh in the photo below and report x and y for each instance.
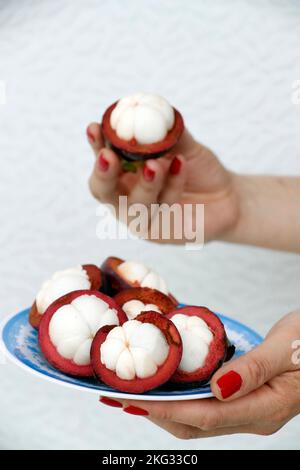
(73, 326)
(143, 116)
(134, 349)
(61, 283)
(196, 338)
(138, 272)
(133, 308)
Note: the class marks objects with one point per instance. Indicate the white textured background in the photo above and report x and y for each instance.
(229, 66)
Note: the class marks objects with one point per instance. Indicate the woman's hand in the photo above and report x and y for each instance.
(190, 174)
(238, 209)
(257, 393)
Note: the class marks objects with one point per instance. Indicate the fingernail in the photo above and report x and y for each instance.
(90, 135)
(110, 402)
(175, 166)
(102, 163)
(134, 410)
(148, 173)
(229, 383)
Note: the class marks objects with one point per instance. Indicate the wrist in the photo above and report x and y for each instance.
(244, 193)
(235, 201)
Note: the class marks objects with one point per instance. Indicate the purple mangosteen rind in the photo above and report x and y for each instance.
(140, 385)
(47, 347)
(131, 152)
(220, 351)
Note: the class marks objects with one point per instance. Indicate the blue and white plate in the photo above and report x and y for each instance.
(19, 342)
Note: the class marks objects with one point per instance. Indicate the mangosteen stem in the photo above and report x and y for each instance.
(131, 166)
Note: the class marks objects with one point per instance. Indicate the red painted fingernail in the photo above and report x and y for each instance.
(90, 135)
(103, 164)
(175, 166)
(110, 402)
(134, 410)
(229, 383)
(148, 173)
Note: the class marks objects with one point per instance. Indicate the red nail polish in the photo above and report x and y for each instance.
(110, 402)
(134, 410)
(148, 173)
(175, 166)
(102, 163)
(229, 383)
(90, 135)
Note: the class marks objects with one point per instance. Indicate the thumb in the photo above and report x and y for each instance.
(251, 371)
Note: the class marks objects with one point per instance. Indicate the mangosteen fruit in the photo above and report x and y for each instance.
(138, 356)
(143, 299)
(69, 325)
(87, 276)
(120, 275)
(141, 126)
(204, 341)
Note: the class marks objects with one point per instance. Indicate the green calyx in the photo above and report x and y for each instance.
(131, 166)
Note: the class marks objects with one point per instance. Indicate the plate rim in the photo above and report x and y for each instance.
(108, 393)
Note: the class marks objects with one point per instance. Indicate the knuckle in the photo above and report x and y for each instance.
(209, 423)
(164, 414)
(259, 370)
(147, 188)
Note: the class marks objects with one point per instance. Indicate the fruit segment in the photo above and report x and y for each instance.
(196, 338)
(134, 350)
(137, 273)
(144, 117)
(142, 299)
(139, 355)
(141, 126)
(134, 342)
(69, 325)
(121, 275)
(62, 282)
(133, 308)
(205, 343)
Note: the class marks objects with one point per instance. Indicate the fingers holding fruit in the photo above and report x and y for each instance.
(173, 189)
(141, 127)
(104, 181)
(149, 183)
(94, 136)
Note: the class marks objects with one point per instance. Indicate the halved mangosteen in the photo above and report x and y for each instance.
(69, 325)
(141, 126)
(138, 356)
(205, 344)
(121, 275)
(87, 276)
(143, 299)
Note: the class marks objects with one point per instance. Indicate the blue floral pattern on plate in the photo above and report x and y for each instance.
(20, 344)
